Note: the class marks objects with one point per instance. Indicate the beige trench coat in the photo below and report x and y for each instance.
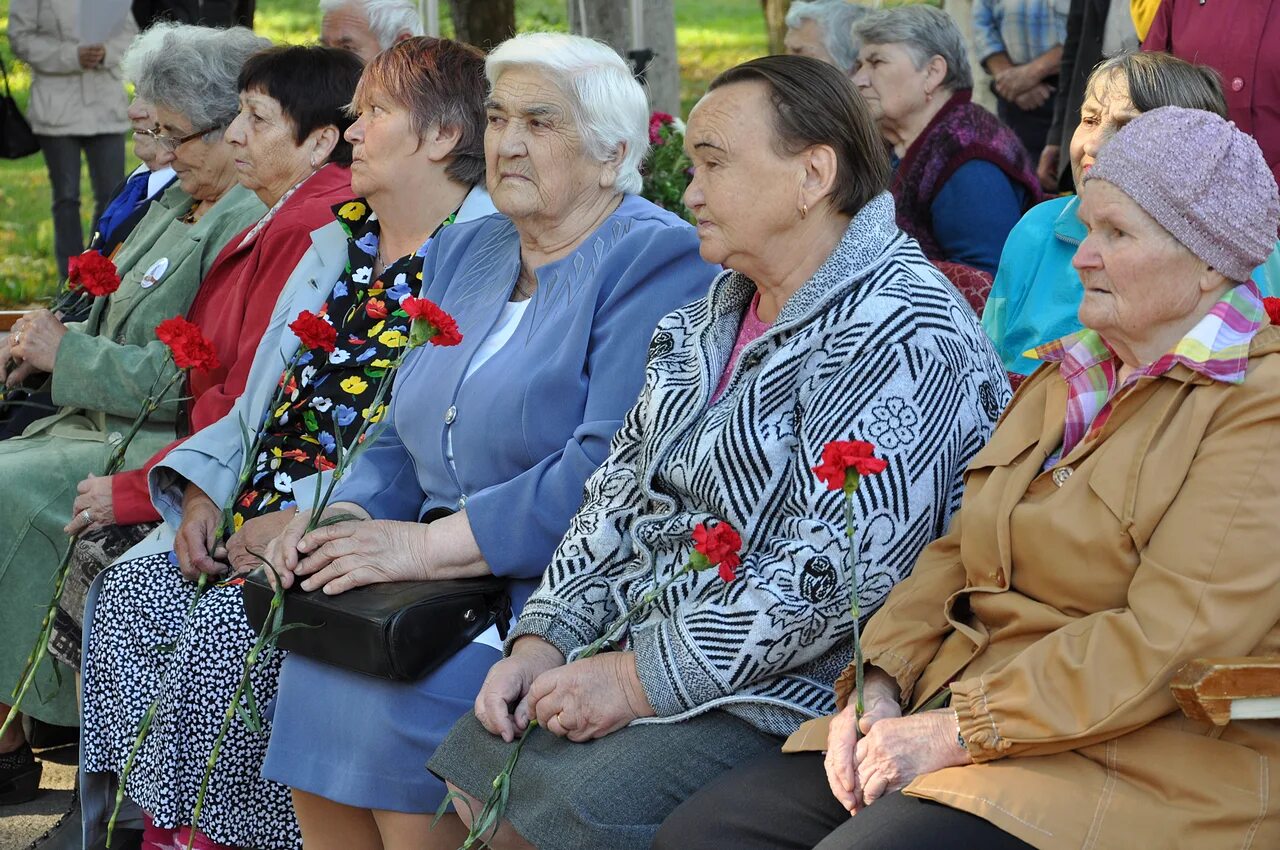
(1060, 603)
(67, 100)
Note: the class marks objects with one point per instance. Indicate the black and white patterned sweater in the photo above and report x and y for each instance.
(876, 346)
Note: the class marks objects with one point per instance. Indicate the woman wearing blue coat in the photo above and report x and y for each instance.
(557, 303)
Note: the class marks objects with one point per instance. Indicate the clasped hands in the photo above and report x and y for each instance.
(881, 753)
(582, 700)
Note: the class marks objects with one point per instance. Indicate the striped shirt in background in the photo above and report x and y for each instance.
(1023, 29)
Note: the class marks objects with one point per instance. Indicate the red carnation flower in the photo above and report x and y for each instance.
(844, 460)
(93, 273)
(189, 347)
(441, 329)
(1272, 306)
(657, 121)
(314, 332)
(717, 546)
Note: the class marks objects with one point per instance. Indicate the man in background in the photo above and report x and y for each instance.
(1019, 42)
(367, 27)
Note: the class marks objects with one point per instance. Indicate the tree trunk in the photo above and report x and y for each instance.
(775, 14)
(484, 23)
(610, 21)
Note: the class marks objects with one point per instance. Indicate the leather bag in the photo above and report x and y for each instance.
(16, 138)
(396, 630)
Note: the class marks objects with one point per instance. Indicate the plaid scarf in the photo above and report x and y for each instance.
(1217, 347)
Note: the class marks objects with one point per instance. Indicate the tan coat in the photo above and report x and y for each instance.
(67, 100)
(1062, 602)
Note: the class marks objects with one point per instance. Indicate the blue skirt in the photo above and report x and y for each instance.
(365, 742)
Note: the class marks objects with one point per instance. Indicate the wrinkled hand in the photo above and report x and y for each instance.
(93, 508)
(898, 749)
(1047, 169)
(91, 55)
(247, 546)
(35, 340)
(1034, 97)
(195, 544)
(353, 553)
(502, 706)
(591, 698)
(845, 733)
(1012, 82)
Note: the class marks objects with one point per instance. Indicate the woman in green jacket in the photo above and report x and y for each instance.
(101, 371)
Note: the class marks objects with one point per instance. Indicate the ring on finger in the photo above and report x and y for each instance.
(86, 516)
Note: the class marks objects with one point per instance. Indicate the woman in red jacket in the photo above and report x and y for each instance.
(290, 151)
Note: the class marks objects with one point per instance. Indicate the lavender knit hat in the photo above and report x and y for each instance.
(1203, 180)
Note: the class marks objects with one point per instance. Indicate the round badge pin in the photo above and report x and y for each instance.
(154, 273)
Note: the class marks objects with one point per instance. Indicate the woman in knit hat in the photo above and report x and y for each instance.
(1115, 527)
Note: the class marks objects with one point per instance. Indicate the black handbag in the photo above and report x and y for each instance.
(16, 138)
(398, 630)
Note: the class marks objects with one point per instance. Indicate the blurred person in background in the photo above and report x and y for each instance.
(1019, 42)
(823, 30)
(77, 108)
(367, 27)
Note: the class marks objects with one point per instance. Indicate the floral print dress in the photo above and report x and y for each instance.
(330, 392)
(143, 602)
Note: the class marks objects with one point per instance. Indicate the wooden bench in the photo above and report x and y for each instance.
(1219, 690)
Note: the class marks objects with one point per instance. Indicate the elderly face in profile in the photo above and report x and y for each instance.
(807, 39)
(539, 169)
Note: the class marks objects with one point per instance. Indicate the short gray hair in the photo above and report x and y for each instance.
(836, 19)
(195, 71)
(609, 106)
(925, 32)
(388, 19)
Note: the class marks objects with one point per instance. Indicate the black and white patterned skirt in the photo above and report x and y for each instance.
(139, 615)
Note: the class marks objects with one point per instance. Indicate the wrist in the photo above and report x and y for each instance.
(632, 688)
(535, 647)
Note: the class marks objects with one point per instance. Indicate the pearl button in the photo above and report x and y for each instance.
(1061, 474)
(1237, 84)
(450, 415)
(462, 502)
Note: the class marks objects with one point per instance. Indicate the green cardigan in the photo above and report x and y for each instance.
(104, 370)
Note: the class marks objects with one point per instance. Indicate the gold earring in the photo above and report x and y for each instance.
(804, 211)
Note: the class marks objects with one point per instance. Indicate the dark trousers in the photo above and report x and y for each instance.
(1030, 126)
(782, 802)
(105, 154)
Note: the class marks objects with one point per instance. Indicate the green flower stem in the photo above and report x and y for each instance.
(495, 806)
(266, 637)
(852, 564)
(112, 465)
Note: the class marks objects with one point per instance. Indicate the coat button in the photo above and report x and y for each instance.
(1061, 474)
(1000, 579)
(450, 415)
(115, 437)
(462, 502)
(1237, 84)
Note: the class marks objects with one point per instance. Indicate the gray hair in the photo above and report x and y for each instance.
(836, 19)
(388, 19)
(195, 70)
(925, 32)
(609, 106)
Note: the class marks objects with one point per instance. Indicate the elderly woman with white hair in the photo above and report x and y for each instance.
(823, 30)
(491, 440)
(367, 27)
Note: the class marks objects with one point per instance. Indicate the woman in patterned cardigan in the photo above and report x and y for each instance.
(831, 323)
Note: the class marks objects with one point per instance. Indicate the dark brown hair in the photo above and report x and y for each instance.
(313, 86)
(815, 104)
(440, 82)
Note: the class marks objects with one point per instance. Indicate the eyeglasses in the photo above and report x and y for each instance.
(172, 143)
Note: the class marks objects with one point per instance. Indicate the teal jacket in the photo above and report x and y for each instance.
(1036, 292)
